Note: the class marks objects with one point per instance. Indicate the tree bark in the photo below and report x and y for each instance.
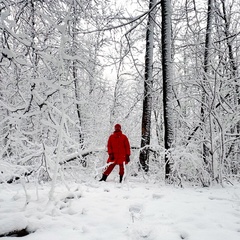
(167, 82)
(148, 86)
(75, 76)
(205, 83)
(234, 73)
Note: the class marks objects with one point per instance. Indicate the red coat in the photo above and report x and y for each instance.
(119, 146)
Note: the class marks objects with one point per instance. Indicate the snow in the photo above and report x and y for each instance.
(133, 210)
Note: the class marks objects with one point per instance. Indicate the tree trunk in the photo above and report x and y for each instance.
(234, 72)
(75, 77)
(148, 86)
(33, 55)
(205, 83)
(167, 82)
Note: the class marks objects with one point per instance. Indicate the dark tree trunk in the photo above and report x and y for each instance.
(235, 146)
(148, 86)
(167, 82)
(205, 83)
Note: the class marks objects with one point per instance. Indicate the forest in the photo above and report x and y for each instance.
(167, 71)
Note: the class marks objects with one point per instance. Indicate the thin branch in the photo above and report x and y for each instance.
(127, 23)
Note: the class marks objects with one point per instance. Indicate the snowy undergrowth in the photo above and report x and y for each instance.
(133, 210)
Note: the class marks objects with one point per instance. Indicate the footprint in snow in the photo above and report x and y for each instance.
(135, 208)
(136, 212)
(184, 235)
(157, 196)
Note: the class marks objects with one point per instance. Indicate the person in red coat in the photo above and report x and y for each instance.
(119, 152)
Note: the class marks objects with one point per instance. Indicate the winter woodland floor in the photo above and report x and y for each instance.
(133, 210)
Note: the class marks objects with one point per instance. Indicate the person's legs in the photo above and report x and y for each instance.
(107, 172)
(121, 169)
(109, 169)
(121, 172)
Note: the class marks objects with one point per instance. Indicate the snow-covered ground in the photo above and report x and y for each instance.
(133, 210)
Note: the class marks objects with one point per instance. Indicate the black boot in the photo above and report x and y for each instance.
(121, 178)
(104, 177)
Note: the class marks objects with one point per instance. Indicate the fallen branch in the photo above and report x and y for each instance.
(15, 178)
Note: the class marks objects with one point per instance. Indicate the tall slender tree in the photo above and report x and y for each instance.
(205, 82)
(167, 82)
(75, 74)
(148, 88)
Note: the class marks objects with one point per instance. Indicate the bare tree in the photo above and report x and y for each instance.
(148, 88)
(167, 82)
(205, 84)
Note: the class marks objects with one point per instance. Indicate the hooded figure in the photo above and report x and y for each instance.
(118, 150)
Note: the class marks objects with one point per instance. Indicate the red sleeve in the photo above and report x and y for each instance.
(127, 146)
(109, 146)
